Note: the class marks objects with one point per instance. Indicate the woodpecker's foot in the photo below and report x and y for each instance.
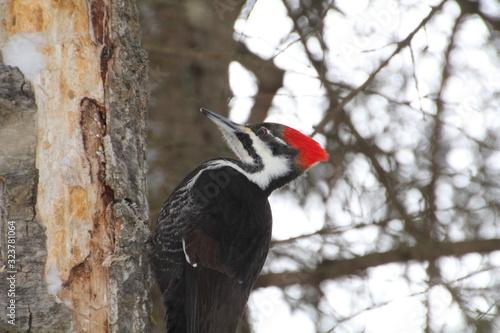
(133, 227)
(118, 206)
(114, 258)
(130, 242)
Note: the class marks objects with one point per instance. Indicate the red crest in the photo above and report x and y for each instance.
(310, 151)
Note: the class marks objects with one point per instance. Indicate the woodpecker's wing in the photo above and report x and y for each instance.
(201, 250)
(225, 249)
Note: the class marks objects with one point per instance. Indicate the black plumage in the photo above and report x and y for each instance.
(213, 232)
(227, 239)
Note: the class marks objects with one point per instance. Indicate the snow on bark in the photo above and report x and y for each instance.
(89, 80)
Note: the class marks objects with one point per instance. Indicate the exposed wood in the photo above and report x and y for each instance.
(18, 185)
(90, 144)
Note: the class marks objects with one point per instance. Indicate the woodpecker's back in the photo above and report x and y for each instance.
(213, 233)
(211, 242)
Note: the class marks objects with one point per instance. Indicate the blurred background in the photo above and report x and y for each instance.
(400, 230)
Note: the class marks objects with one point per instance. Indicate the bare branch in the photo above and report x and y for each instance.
(330, 269)
(400, 46)
(269, 81)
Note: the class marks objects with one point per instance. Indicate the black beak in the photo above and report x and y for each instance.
(224, 124)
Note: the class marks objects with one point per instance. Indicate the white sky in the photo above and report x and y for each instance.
(383, 22)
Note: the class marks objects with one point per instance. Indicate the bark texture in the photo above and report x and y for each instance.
(18, 187)
(72, 145)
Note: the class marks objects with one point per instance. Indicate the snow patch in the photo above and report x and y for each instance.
(22, 50)
(52, 280)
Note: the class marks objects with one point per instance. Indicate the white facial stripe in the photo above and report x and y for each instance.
(274, 166)
(277, 167)
(237, 146)
(280, 141)
(260, 147)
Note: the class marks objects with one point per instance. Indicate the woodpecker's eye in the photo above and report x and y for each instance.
(262, 131)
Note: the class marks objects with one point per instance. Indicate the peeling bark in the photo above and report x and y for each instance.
(81, 145)
(18, 187)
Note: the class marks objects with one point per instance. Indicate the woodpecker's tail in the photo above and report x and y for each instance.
(214, 302)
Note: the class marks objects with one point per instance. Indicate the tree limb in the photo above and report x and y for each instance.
(400, 46)
(269, 81)
(330, 269)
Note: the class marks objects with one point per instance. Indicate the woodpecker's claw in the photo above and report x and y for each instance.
(127, 210)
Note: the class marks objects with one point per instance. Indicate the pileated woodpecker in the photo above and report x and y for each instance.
(213, 232)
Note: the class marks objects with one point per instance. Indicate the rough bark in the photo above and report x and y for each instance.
(18, 185)
(72, 152)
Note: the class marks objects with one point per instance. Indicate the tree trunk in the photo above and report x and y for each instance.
(72, 141)
(190, 45)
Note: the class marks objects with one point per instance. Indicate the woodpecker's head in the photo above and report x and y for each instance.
(271, 154)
